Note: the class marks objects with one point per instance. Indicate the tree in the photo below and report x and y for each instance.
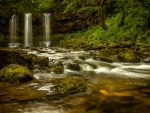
(87, 5)
(102, 14)
(146, 10)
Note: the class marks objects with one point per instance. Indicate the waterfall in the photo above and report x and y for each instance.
(13, 31)
(28, 30)
(47, 29)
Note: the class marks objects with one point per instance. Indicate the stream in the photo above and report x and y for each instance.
(112, 87)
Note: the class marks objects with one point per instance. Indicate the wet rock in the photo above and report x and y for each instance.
(146, 60)
(58, 70)
(69, 85)
(82, 57)
(48, 70)
(16, 56)
(129, 56)
(73, 66)
(110, 51)
(59, 63)
(42, 61)
(15, 72)
(106, 58)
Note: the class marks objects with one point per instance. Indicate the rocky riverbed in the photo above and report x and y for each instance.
(87, 85)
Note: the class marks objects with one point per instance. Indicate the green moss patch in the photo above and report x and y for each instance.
(14, 72)
(69, 85)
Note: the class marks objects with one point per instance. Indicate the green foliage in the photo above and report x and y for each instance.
(134, 25)
(44, 4)
(80, 5)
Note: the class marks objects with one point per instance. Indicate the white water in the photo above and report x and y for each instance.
(47, 29)
(28, 30)
(13, 31)
(134, 70)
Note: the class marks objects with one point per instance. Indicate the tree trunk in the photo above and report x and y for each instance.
(102, 15)
(123, 16)
(148, 19)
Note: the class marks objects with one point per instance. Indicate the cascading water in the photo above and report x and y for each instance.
(28, 30)
(13, 31)
(47, 30)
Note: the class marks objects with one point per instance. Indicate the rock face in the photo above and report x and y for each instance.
(70, 22)
(15, 72)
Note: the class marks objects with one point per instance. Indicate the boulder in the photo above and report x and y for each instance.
(106, 58)
(73, 66)
(17, 56)
(14, 56)
(110, 51)
(15, 72)
(129, 56)
(58, 70)
(41, 61)
(69, 85)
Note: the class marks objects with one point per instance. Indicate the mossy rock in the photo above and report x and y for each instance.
(58, 70)
(42, 61)
(110, 51)
(15, 72)
(129, 56)
(16, 56)
(69, 85)
(59, 63)
(107, 58)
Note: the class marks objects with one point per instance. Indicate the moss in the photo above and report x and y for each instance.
(16, 56)
(58, 70)
(59, 63)
(69, 85)
(108, 59)
(110, 51)
(129, 56)
(42, 61)
(14, 72)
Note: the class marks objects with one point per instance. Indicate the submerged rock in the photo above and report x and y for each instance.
(15, 72)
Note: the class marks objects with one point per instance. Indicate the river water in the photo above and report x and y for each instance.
(112, 87)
